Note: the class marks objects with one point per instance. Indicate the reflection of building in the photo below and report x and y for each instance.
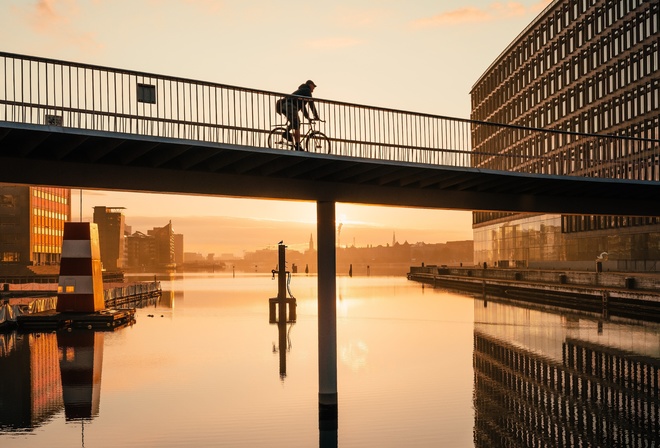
(30, 385)
(32, 223)
(546, 380)
(110, 221)
(588, 67)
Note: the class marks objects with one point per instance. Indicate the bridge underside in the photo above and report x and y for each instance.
(76, 158)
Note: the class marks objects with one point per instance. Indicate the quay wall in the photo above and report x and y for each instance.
(636, 281)
(606, 294)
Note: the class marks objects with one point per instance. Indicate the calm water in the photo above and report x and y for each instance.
(417, 367)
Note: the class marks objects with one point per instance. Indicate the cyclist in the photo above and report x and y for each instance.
(294, 103)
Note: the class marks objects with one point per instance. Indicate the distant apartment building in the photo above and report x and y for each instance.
(32, 223)
(584, 66)
(140, 252)
(157, 249)
(110, 221)
(178, 249)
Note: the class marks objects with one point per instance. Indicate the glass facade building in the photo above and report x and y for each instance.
(582, 66)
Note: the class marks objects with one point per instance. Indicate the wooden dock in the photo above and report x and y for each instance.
(121, 300)
(52, 320)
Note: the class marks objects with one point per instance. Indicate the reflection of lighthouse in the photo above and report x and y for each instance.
(81, 360)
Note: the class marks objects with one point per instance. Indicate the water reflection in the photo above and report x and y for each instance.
(47, 372)
(283, 344)
(544, 379)
(81, 362)
(31, 386)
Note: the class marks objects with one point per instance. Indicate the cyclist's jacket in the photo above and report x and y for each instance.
(298, 99)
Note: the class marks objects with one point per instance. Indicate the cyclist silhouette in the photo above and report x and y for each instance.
(290, 106)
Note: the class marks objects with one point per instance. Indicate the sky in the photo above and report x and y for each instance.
(413, 55)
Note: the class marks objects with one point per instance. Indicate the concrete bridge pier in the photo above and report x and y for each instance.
(327, 315)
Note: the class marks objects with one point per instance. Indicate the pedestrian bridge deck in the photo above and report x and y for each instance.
(78, 125)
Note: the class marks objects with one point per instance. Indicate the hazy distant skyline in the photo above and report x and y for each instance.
(224, 225)
(421, 56)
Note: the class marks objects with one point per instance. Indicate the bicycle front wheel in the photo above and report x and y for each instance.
(276, 139)
(318, 142)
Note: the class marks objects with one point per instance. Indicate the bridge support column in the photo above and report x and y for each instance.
(327, 315)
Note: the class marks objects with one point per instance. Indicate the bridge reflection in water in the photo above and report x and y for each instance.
(543, 381)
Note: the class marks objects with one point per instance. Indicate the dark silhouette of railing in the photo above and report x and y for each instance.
(50, 92)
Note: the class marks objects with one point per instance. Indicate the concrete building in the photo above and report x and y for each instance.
(155, 250)
(140, 253)
(32, 223)
(586, 66)
(110, 221)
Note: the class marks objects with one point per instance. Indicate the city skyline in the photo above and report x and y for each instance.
(238, 233)
(409, 56)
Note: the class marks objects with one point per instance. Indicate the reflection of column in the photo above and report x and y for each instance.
(30, 387)
(81, 361)
(281, 332)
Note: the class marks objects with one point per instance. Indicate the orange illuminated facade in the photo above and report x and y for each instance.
(32, 223)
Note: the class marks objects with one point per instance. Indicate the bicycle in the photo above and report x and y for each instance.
(312, 140)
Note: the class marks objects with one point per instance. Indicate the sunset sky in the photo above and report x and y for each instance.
(416, 55)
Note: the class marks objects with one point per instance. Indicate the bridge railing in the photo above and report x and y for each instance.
(58, 93)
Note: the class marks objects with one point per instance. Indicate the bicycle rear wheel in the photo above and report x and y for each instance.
(276, 139)
(317, 141)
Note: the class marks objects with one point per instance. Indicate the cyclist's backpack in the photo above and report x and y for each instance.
(279, 106)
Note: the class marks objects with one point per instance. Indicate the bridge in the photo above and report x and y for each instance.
(79, 125)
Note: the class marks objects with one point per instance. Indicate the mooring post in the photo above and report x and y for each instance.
(281, 283)
(281, 304)
(327, 315)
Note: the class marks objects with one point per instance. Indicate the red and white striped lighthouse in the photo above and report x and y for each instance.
(80, 288)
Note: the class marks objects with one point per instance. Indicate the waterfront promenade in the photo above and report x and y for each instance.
(625, 294)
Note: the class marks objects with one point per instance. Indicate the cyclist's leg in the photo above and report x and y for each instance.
(295, 126)
(291, 116)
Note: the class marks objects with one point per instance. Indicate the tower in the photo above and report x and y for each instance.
(80, 287)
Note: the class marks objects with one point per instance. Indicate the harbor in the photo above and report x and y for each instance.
(608, 294)
(82, 299)
(30, 310)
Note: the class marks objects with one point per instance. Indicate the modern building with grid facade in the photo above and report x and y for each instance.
(32, 223)
(582, 66)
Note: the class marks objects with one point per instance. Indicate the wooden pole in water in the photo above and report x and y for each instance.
(281, 305)
(281, 283)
